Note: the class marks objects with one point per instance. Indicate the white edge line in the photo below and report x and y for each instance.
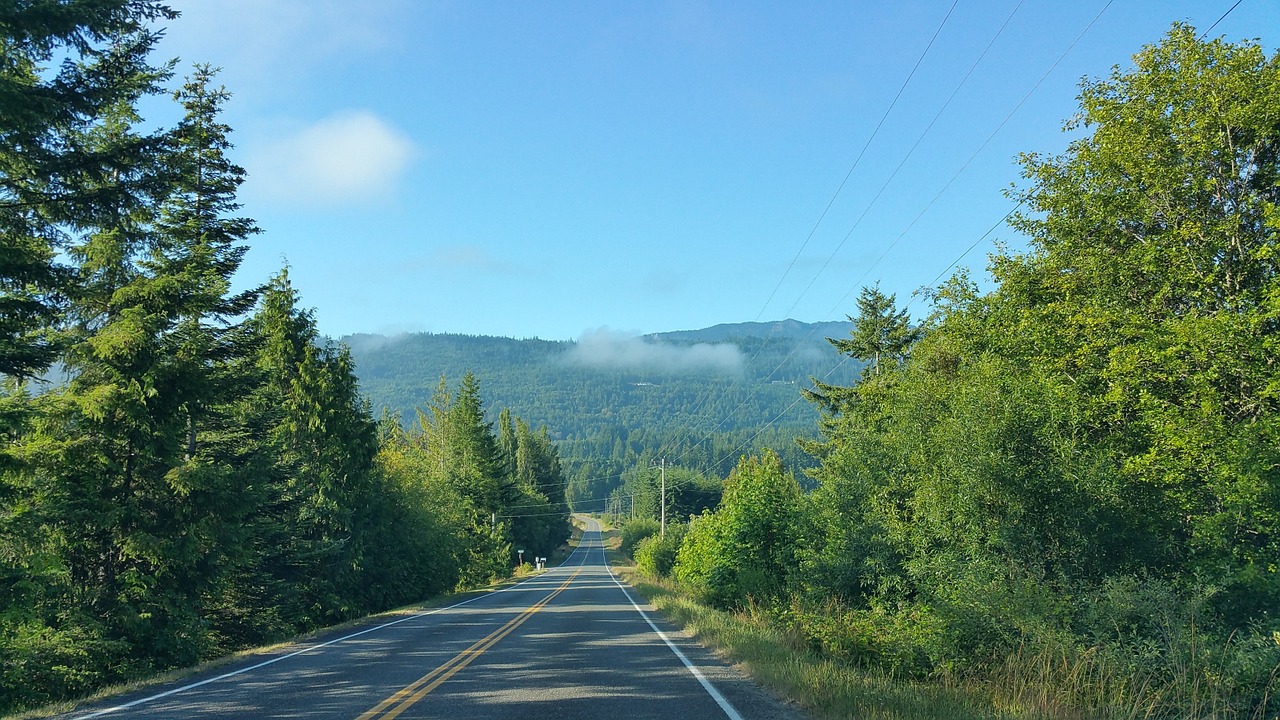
(309, 648)
(724, 704)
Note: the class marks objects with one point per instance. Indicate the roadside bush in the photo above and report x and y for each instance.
(1187, 659)
(40, 664)
(656, 555)
(705, 565)
(636, 530)
(746, 549)
(904, 643)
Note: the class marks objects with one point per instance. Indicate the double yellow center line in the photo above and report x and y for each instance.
(404, 698)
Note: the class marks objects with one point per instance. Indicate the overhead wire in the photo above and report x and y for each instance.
(1224, 17)
(927, 207)
(975, 244)
(947, 186)
(947, 103)
(857, 160)
(846, 358)
(902, 88)
(920, 138)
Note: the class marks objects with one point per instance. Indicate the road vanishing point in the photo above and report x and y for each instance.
(573, 642)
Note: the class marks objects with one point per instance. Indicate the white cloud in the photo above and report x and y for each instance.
(469, 258)
(349, 157)
(451, 261)
(606, 348)
(287, 36)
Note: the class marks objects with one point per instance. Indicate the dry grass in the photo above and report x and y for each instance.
(1073, 684)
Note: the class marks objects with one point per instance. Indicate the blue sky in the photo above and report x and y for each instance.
(551, 169)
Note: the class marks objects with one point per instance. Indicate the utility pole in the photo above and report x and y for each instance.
(663, 467)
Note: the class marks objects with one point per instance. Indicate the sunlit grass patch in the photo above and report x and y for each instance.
(780, 661)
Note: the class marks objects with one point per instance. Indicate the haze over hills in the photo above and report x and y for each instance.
(606, 373)
(617, 395)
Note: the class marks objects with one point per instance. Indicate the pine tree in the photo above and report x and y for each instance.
(149, 364)
(881, 333)
(508, 444)
(52, 184)
(323, 440)
(57, 175)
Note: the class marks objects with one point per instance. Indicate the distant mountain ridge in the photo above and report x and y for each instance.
(613, 395)
(785, 329)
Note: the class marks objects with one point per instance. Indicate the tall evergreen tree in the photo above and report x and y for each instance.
(882, 333)
(52, 183)
(150, 340)
(323, 441)
(475, 461)
(508, 444)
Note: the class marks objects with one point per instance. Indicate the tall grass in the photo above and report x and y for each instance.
(1192, 682)
(781, 660)
(1178, 673)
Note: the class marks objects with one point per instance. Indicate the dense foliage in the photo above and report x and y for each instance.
(1072, 481)
(1075, 475)
(205, 474)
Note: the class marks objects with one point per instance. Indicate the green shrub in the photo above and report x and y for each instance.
(636, 530)
(907, 642)
(656, 555)
(41, 664)
(744, 552)
(1189, 660)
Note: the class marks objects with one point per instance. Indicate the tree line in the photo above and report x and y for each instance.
(186, 469)
(1065, 490)
(606, 421)
(582, 403)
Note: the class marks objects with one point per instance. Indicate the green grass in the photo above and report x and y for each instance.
(780, 661)
(1048, 683)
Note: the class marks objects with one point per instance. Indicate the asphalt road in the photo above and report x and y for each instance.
(570, 643)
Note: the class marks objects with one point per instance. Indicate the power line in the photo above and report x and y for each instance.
(974, 156)
(866, 210)
(945, 188)
(858, 159)
(883, 187)
(969, 249)
(950, 182)
(1224, 17)
(911, 152)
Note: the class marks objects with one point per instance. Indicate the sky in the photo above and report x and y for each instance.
(566, 169)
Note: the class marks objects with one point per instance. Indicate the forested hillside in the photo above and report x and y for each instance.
(205, 476)
(746, 373)
(700, 397)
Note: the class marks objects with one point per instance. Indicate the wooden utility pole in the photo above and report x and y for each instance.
(662, 465)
